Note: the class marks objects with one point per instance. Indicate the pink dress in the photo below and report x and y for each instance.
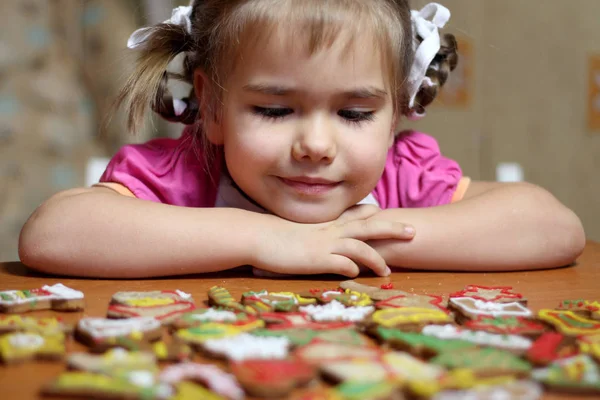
(174, 171)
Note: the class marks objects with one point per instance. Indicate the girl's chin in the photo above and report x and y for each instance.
(310, 215)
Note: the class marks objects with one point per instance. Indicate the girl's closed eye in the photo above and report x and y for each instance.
(350, 116)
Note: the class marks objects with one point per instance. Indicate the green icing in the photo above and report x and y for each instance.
(479, 359)
(569, 320)
(417, 340)
(360, 390)
(5, 296)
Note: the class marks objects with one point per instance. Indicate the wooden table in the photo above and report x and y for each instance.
(542, 288)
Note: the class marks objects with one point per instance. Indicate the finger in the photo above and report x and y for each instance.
(362, 211)
(343, 266)
(372, 229)
(361, 253)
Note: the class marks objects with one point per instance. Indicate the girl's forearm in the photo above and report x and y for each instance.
(515, 227)
(109, 235)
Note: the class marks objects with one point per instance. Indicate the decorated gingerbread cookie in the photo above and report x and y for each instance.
(116, 362)
(137, 385)
(513, 343)
(409, 318)
(375, 293)
(44, 326)
(215, 379)
(248, 347)
(203, 315)
(272, 378)
(418, 344)
(420, 301)
(319, 353)
(569, 323)
(56, 297)
(197, 335)
(485, 362)
(391, 367)
(578, 374)
(299, 320)
(549, 347)
(496, 294)
(164, 305)
(506, 325)
(23, 346)
(335, 311)
(102, 333)
(221, 298)
(302, 337)
(264, 301)
(471, 308)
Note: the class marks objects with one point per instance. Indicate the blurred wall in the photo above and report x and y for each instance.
(531, 90)
(521, 93)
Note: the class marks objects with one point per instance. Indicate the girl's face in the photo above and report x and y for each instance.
(306, 136)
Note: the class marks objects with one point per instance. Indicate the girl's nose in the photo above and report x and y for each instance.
(315, 141)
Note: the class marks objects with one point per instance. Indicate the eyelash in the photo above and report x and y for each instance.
(350, 116)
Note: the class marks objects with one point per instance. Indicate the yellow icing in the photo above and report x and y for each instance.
(136, 335)
(362, 299)
(210, 330)
(193, 391)
(160, 349)
(590, 345)
(150, 301)
(51, 344)
(48, 325)
(408, 315)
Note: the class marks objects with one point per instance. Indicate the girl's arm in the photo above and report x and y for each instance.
(497, 226)
(99, 233)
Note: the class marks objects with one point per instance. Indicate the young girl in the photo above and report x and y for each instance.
(291, 161)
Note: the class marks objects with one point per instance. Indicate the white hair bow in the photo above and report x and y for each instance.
(179, 16)
(426, 43)
(178, 89)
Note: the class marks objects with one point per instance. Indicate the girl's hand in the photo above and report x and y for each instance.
(333, 247)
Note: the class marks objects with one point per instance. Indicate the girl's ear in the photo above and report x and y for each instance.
(212, 130)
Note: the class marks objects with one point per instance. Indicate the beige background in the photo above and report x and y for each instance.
(529, 103)
(61, 63)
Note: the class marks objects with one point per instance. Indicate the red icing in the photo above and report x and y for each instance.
(472, 291)
(547, 348)
(387, 286)
(273, 371)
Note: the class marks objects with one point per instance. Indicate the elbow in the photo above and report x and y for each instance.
(560, 228)
(35, 244)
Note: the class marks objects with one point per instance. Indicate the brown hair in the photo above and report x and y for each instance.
(221, 29)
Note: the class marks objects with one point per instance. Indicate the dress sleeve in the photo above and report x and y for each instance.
(416, 174)
(169, 171)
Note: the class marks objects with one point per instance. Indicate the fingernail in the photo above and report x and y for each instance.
(409, 230)
(388, 271)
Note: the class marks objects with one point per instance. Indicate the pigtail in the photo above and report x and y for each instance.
(438, 71)
(147, 83)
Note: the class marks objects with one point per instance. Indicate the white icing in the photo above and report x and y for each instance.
(520, 390)
(63, 292)
(215, 315)
(411, 368)
(336, 311)
(246, 346)
(141, 378)
(216, 379)
(26, 340)
(58, 292)
(182, 294)
(479, 337)
(480, 307)
(103, 327)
